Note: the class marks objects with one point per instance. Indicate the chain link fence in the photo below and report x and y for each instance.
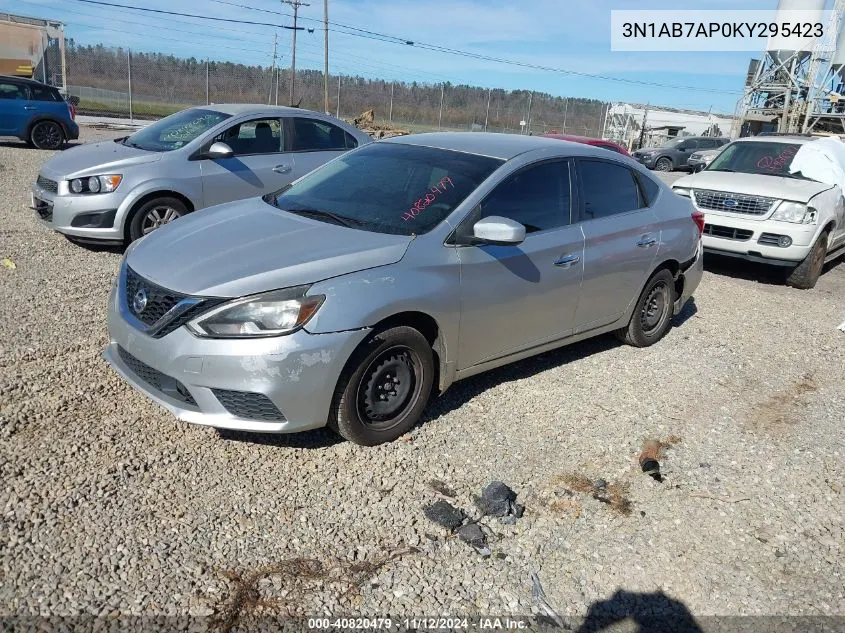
(122, 83)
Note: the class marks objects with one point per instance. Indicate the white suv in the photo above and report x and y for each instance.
(757, 210)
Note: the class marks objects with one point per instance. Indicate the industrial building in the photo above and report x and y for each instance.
(33, 48)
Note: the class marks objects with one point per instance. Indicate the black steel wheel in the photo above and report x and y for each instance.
(47, 135)
(384, 387)
(653, 313)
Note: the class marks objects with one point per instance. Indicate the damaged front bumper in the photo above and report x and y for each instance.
(280, 384)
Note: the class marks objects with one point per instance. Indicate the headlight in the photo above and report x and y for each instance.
(794, 212)
(96, 184)
(268, 314)
(682, 191)
(709, 159)
(695, 155)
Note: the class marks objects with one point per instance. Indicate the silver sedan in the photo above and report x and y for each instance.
(120, 190)
(350, 297)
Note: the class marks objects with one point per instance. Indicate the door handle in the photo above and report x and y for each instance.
(647, 241)
(281, 169)
(565, 261)
(30, 108)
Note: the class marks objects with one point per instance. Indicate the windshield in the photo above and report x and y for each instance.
(388, 187)
(175, 131)
(757, 157)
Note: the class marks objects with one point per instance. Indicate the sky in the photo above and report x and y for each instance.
(570, 35)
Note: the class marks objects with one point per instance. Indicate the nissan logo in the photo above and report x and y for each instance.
(139, 301)
(730, 204)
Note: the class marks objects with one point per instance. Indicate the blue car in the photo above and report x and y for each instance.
(35, 113)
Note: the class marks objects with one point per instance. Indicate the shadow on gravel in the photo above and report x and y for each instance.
(650, 612)
(752, 271)
(319, 438)
(462, 392)
(94, 247)
(22, 145)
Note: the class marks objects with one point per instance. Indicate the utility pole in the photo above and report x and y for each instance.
(440, 117)
(206, 81)
(487, 114)
(390, 116)
(565, 108)
(295, 4)
(528, 121)
(129, 71)
(273, 70)
(337, 114)
(642, 130)
(326, 56)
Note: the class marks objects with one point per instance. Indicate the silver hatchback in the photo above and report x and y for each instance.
(120, 190)
(389, 273)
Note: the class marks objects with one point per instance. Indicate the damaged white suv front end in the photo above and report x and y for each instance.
(756, 209)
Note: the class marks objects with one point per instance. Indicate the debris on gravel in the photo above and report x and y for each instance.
(445, 515)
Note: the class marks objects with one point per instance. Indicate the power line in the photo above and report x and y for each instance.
(191, 15)
(385, 37)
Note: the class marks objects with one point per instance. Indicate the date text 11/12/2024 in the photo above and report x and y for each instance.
(421, 624)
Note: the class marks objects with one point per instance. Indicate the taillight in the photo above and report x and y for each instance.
(71, 110)
(698, 218)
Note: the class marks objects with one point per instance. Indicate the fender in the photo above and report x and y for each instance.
(192, 193)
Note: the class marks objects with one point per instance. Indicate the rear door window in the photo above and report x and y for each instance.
(311, 135)
(609, 189)
(45, 93)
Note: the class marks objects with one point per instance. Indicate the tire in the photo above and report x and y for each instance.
(807, 273)
(154, 213)
(652, 315)
(366, 410)
(47, 135)
(663, 164)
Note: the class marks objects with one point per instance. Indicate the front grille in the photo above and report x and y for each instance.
(245, 404)
(159, 300)
(733, 202)
(770, 239)
(47, 185)
(156, 379)
(727, 232)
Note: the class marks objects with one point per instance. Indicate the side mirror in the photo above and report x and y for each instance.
(220, 150)
(498, 230)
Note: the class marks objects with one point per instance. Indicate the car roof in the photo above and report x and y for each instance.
(247, 108)
(782, 138)
(25, 80)
(494, 145)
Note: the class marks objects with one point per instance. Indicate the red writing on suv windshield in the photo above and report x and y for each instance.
(440, 187)
(777, 163)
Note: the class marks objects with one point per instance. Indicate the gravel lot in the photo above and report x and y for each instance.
(111, 506)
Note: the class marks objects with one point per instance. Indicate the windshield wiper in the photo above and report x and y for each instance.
(722, 169)
(338, 219)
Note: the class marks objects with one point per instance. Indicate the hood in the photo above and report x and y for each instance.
(793, 189)
(93, 159)
(249, 246)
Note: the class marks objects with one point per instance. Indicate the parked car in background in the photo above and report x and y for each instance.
(595, 142)
(393, 271)
(119, 190)
(676, 153)
(36, 113)
(757, 210)
(699, 160)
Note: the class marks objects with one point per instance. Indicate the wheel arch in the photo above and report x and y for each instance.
(152, 195)
(428, 326)
(45, 117)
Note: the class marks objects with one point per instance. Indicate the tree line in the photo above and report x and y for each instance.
(181, 81)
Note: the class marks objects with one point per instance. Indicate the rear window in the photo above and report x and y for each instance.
(756, 157)
(388, 187)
